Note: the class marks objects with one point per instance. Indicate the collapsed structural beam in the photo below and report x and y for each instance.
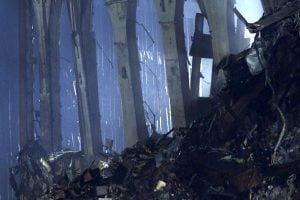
(196, 63)
(81, 15)
(47, 14)
(236, 29)
(123, 17)
(171, 19)
(201, 48)
(270, 6)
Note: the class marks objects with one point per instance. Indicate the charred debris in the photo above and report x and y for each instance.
(246, 146)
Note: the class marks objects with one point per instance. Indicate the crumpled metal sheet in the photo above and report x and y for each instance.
(255, 61)
(36, 171)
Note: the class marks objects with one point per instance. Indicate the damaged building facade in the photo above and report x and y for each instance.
(150, 99)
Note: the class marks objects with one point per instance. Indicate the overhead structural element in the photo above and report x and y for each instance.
(47, 15)
(25, 73)
(171, 20)
(286, 11)
(216, 13)
(81, 15)
(123, 17)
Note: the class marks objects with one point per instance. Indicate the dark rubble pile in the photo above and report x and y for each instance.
(185, 167)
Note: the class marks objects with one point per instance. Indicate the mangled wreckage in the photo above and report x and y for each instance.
(246, 147)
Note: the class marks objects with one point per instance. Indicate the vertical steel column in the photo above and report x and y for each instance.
(123, 16)
(80, 13)
(171, 19)
(25, 74)
(42, 9)
(54, 63)
(135, 69)
(47, 15)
